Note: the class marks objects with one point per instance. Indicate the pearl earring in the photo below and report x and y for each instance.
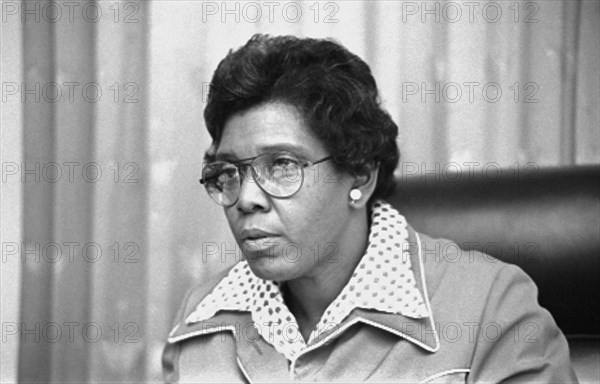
(355, 195)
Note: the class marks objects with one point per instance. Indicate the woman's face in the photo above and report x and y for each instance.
(286, 238)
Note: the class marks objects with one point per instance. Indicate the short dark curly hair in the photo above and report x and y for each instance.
(332, 88)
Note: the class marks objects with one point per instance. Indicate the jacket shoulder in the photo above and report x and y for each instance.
(444, 258)
(467, 278)
(196, 294)
(173, 353)
(506, 334)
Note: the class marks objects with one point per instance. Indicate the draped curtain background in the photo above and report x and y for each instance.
(104, 224)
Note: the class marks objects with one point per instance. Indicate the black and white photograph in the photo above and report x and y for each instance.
(351, 191)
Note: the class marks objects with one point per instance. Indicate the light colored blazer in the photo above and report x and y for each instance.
(486, 326)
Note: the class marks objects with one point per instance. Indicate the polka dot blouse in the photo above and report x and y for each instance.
(382, 281)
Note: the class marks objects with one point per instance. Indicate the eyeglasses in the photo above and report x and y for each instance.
(279, 175)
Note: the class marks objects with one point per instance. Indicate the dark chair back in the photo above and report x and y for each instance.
(547, 221)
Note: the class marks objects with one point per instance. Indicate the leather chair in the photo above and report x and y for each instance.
(547, 221)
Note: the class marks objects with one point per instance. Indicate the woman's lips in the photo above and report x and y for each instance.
(255, 233)
(260, 243)
(257, 240)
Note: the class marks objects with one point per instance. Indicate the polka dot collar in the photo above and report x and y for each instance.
(382, 281)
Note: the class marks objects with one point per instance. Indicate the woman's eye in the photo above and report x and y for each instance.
(227, 174)
(284, 162)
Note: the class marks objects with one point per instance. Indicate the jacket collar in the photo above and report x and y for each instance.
(419, 330)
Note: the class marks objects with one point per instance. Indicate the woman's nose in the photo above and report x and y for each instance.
(252, 198)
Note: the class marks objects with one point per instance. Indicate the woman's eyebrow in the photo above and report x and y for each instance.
(225, 157)
(269, 148)
(287, 147)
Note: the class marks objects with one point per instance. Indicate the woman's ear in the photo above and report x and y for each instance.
(365, 182)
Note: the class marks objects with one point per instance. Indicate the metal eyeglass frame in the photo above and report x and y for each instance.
(250, 161)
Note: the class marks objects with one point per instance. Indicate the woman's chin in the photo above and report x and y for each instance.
(273, 268)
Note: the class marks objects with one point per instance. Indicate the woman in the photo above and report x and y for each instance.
(334, 285)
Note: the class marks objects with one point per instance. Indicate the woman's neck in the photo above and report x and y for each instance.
(308, 297)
